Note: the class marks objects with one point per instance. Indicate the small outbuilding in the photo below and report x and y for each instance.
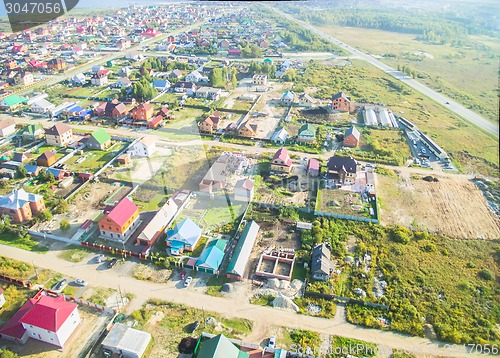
(126, 342)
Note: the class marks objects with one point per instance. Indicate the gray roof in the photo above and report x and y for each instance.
(321, 260)
(281, 134)
(17, 198)
(243, 249)
(122, 337)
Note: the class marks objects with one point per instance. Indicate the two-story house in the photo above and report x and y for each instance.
(281, 161)
(59, 134)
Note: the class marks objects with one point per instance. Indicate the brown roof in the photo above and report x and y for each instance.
(148, 140)
(58, 129)
(47, 155)
(6, 123)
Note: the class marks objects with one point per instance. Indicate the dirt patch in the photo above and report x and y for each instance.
(148, 273)
(452, 206)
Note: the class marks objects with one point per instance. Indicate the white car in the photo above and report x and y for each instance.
(80, 282)
(187, 281)
(272, 342)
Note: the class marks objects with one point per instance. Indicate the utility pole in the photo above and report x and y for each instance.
(119, 290)
(36, 271)
(203, 314)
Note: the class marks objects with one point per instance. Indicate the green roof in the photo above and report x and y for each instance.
(101, 136)
(32, 128)
(13, 100)
(220, 347)
(307, 127)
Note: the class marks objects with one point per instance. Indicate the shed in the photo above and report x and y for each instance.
(242, 251)
(126, 342)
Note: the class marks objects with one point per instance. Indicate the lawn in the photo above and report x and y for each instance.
(96, 159)
(214, 285)
(15, 297)
(75, 254)
(83, 91)
(25, 243)
(167, 97)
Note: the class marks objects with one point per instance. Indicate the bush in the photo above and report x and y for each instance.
(64, 225)
(486, 275)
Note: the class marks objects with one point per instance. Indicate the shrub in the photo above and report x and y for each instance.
(64, 225)
(486, 275)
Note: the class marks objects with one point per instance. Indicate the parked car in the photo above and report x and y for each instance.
(183, 275)
(80, 282)
(112, 263)
(188, 280)
(58, 286)
(100, 258)
(272, 342)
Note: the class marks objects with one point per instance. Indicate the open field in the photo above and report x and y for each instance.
(342, 202)
(471, 149)
(468, 75)
(453, 206)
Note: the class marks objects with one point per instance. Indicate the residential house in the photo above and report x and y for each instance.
(240, 257)
(281, 161)
(313, 167)
(24, 78)
(175, 74)
(12, 102)
(321, 265)
(351, 137)
(279, 136)
(287, 98)
(307, 133)
(161, 85)
(343, 169)
(32, 132)
(211, 257)
(20, 206)
(247, 129)
(123, 82)
(144, 147)
(120, 222)
(50, 319)
(184, 236)
(100, 139)
(185, 87)
(196, 77)
(244, 190)
(143, 112)
(56, 64)
(150, 32)
(259, 80)
(78, 79)
(21, 157)
(100, 78)
(59, 134)
(156, 226)
(7, 127)
(127, 342)
(340, 102)
(33, 170)
(211, 123)
(42, 106)
(46, 159)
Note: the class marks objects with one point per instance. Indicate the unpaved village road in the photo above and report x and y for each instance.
(263, 316)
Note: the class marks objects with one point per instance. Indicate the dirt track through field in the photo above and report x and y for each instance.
(452, 206)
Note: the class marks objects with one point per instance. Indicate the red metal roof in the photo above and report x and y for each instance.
(48, 313)
(313, 164)
(122, 211)
(13, 328)
(282, 154)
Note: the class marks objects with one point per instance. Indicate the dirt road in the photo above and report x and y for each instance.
(265, 316)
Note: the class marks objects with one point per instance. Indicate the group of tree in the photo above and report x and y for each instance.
(143, 90)
(264, 68)
(221, 77)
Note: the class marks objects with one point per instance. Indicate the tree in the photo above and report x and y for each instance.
(64, 225)
(216, 78)
(45, 215)
(234, 80)
(61, 206)
(22, 172)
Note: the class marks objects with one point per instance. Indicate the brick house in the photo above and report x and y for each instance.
(340, 102)
(20, 206)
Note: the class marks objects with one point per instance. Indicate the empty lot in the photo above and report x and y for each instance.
(452, 206)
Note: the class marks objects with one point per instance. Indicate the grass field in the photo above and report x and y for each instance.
(95, 158)
(469, 75)
(474, 150)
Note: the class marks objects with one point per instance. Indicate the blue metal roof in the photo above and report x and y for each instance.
(186, 231)
(212, 255)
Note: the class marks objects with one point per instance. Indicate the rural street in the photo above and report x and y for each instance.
(460, 110)
(262, 316)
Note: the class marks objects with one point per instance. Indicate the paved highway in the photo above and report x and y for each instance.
(460, 110)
